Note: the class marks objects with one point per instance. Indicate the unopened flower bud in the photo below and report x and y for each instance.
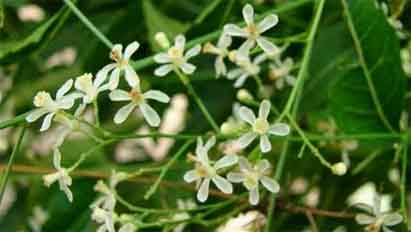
(162, 40)
(339, 169)
(244, 96)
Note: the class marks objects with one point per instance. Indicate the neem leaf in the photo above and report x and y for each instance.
(350, 97)
(157, 21)
(10, 50)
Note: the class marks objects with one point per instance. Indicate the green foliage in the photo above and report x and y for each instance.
(350, 98)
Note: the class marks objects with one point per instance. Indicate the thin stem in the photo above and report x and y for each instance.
(307, 142)
(306, 59)
(403, 183)
(96, 112)
(365, 162)
(363, 63)
(186, 81)
(295, 96)
(259, 84)
(84, 155)
(89, 24)
(165, 168)
(6, 173)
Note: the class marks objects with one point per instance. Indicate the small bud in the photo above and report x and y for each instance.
(339, 169)
(227, 128)
(162, 40)
(244, 96)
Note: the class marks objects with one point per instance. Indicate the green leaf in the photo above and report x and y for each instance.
(350, 97)
(207, 11)
(156, 21)
(10, 50)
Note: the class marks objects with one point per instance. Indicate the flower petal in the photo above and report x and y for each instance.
(66, 191)
(156, 95)
(119, 95)
(131, 49)
(248, 14)
(267, 23)
(162, 58)
(265, 144)
(210, 143)
(231, 75)
(254, 197)
(114, 79)
(36, 114)
(123, 113)
(163, 70)
(263, 166)
(191, 176)
(223, 184)
(131, 77)
(246, 139)
(392, 219)
(180, 42)
(270, 184)
(202, 193)
(268, 47)
(188, 68)
(224, 41)
(364, 219)
(246, 114)
(234, 30)
(235, 177)
(280, 129)
(226, 161)
(194, 51)
(244, 165)
(264, 109)
(46, 122)
(64, 89)
(101, 75)
(240, 81)
(220, 67)
(150, 115)
(57, 159)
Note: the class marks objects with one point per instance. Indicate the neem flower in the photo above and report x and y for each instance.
(90, 89)
(138, 99)
(62, 176)
(175, 58)
(252, 32)
(251, 177)
(49, 107)
(261, 127)
(121, 64)
(205, 171)
(221, 50)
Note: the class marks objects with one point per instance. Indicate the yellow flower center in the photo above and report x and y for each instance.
(251, 180)
(136, 96)
(252, 31)
(261, 126)
(205, 170)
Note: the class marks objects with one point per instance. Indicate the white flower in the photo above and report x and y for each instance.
(375, 218)
(108, 200)
(205, 171)
(89, 88)
(261, 127)
(37, 220)
(252, 32)
(121, 64)
(183, 205)
(252, 221)
(175, 58)
(280, 72)
(406, 60)
(251, 177)
(221, 50)
(138, 99)
(246, 67)
(46, 105)
(62, 176)
(127, 228)
(105, 218)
